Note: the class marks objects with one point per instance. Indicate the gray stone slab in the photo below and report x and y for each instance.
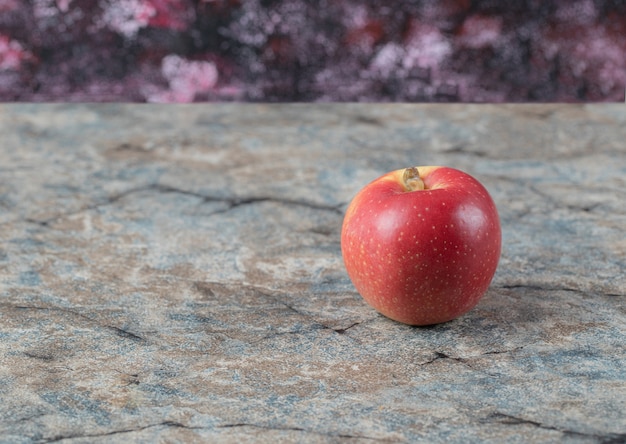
(173, 274)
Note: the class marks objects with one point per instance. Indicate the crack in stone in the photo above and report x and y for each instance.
(343, 330)
(538, 287)
(131, 378)
(125, 333)
(31, 417)
(301, 429)
(42, 223)
(316, 325)
(113, 329)
(441, 355)
(499, 352)
(231, 202)
(172, 424)
(40, 356)
(236, 202)
(204, 287)
(608, 438)
(95, 205)
(464, 360)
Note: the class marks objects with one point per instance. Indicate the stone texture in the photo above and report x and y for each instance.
(173, 274)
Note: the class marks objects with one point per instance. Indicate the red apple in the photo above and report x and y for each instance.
(422, 244)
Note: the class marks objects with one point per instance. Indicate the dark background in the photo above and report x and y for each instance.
(304, 51)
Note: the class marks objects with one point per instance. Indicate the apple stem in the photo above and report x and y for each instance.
(412, 180)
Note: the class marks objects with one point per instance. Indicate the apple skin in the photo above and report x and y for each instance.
(422, 256)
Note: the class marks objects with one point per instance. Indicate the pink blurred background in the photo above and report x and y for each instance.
(306, 51)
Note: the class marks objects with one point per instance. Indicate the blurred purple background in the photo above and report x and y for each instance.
(304, 51)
